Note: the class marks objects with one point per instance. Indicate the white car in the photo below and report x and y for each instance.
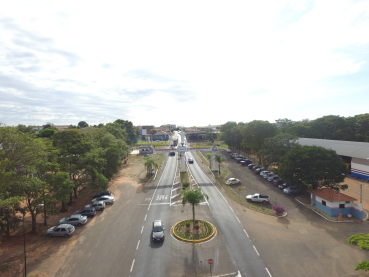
(105, 198)
(264, 172)
(233, 181)
(229, 150)
(99, 206)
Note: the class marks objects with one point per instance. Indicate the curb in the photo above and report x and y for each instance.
(193, 241)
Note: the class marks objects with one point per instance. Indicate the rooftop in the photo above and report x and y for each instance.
(331, 195)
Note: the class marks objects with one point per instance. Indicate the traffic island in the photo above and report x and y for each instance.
(185, 231)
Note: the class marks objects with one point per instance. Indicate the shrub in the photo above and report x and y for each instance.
(188, 224)
(197, 227)
(278, 209)
(185, 185)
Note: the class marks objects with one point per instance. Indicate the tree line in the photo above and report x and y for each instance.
(39, 171)
(276, 147)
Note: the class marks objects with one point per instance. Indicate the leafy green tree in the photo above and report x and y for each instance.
(362, 127)
(209, 157)
(313, 166)
(82, 124)
(150, 164)
(132, 132)
(284, 122)
(364, 265)
(25, 129)
(362, 241)
(255, 133)
(8, 205)
(211, 136)
(46, 133)
(193, 197)
(299, 130)
(226, 133)
(152, 133)
(116, 130)
(219, 159)
(329, 127)
(49, 125)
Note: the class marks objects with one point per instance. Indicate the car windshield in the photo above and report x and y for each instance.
(158, 229)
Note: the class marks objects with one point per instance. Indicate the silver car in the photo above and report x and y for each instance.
(158, 230)
(63, 230)
(99, 206)
(106, 199)
(74, 219)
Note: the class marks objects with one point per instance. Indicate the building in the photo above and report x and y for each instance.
(354, 154)
(333, 202)
(145, 149)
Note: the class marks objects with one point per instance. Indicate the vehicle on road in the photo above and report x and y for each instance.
(63, 230)
(106, 199)
(292, 190)
(74, 219)
(107, 192)
(258, 198)
(86, 212)
(190, 161)
(229, 150)
(283, 186)
(99, 206)
(158, 230)
(233, 181)
(172, 153)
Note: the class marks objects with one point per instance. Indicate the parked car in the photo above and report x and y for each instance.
(267, 175)
(245, 162)
(99, 206)
(74, 219)
(233, 181)
(251, 166)
(272, 177)
(258, 198)
(229, 150)
(255, 167)
(86, 211)
(190, 161)
(262, 173)
(107, 192)
(238, 159)
(158, 230)
(106, 199)
(63, 230)
(291, 190)
(278, 181)
(258, 170)
(283, 186)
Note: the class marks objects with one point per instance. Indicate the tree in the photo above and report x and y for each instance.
(313, 166)
(255, 133)
(209, 157)
(82, 124)
(25, 129)
(299, 130)
(132, 132)
(329, 127)
(193, 197)
(283, 122)
(211, 136)
(219, 159)
(46, 133)
(150, 164)
(362, 241)
(152, 133)
(49, 125)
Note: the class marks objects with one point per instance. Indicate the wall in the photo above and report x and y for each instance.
(360, 168)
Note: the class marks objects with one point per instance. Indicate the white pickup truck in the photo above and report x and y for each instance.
(258, 198)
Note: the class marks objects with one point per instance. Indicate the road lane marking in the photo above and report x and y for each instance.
(246, 233)
(268, 272)
(238, 219)
(142, 229)
(153, 204)
(138, 244)
(132, 264)
(256, 250)
(231, 208)
(227, 274)
(145, 217)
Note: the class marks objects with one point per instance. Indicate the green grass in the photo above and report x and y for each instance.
(218, 144)
(158, 159)
(153, 143)
(185, 179)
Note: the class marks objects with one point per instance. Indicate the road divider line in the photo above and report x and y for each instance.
(142, 229)
(238, 219)
(256, 250)
(246, 233)
(145, 217)
(138, 244)
(268, 272)
(132, 264)
(231, 209)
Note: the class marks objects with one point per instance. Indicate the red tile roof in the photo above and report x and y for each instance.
(331, 195)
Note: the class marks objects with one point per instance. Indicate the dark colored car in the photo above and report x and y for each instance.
(258, 170)
(190, 161)
(172, 153)
(278, 181)
(255, 167)
(107, 192)
(291, 190)
(245, 162)
(238, 159)
(87, 212)
(250, 166)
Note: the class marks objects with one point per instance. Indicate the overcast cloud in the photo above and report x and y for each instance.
(186, 63)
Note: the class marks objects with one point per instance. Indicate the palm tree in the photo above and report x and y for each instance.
(219, 159)
(194, 197)
(150, 164)
(152, 133)
(208, 156)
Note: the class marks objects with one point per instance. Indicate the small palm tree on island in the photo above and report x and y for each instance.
(194, 197)
(219, 159)
(208, 156)
(150, 164)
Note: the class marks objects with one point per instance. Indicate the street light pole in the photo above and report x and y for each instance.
(24, 247)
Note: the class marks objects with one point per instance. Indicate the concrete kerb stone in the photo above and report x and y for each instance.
(193, 241)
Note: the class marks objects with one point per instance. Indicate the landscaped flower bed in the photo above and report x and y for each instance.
(205, 230)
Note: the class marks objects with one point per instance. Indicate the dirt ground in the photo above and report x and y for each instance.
(354, 191)
(39, 247)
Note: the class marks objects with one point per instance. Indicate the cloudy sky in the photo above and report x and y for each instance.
(190, 63)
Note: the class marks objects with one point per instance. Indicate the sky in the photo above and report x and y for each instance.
(189, 63)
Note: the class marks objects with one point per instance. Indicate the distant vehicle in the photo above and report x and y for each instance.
(262, 173)
(258, 170)
(158, 230)
(63, 230)
(255, 167)
(291, 190)
(283, 186)
(271, 178)
(233, 181)
(74, 219)
(238, 159)
(258, 198)
(172, 153)
(107, 192)
(251, 166)
(229, 150)
(106, 199)
(99, 206)
(190, 161)
(245, 162)
(278, 182)
(266, 176)
(86, 212)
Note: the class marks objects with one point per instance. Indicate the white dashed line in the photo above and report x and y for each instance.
(238, 220)
(246, 233)
(231, 209)
(145, 217)
(132, 264)
(256, 250)
(138, 245)
(142, 229)
(268, 272)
